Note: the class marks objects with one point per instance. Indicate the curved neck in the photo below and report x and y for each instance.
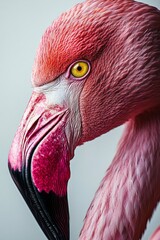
(128, 193)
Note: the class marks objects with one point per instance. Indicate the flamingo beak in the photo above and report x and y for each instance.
(39, 165)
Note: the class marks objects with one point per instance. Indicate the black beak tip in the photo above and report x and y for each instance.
(51, 211)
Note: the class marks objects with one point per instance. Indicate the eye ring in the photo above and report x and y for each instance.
(78, 70)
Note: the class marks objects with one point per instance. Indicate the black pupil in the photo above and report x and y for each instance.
(79, 68)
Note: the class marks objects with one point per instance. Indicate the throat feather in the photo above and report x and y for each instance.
(128, 193)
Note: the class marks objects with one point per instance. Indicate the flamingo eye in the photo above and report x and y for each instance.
(79, 70)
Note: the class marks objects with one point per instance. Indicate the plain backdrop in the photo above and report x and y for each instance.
(22, 24)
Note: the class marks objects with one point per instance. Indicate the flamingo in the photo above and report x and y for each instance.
(96, 68)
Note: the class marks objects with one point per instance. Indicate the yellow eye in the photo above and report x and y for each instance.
(80, 69)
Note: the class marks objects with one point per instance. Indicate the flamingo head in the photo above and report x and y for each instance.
(96, 67)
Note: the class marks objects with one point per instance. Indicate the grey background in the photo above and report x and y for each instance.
(22, 24)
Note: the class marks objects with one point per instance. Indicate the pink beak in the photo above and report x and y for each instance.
(39, 164)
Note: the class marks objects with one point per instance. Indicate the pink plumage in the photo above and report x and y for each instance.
(128, 193)
(156, 234)
(120, 41)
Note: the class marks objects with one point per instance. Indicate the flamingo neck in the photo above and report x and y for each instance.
(128, 193)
